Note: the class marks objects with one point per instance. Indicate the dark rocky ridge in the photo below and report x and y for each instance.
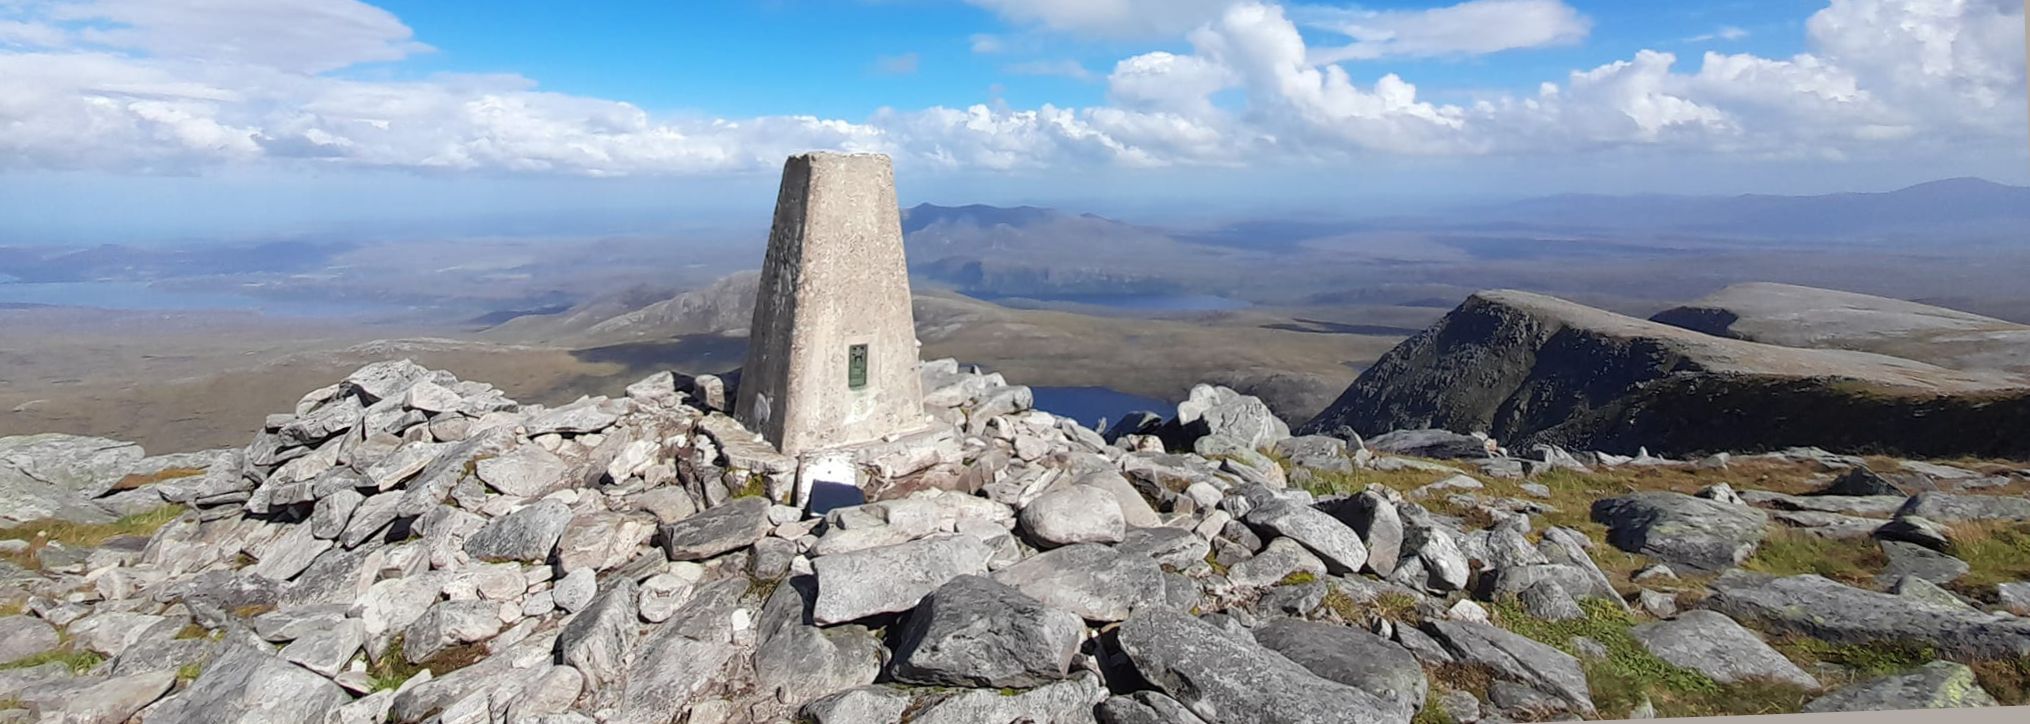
(1530, 369)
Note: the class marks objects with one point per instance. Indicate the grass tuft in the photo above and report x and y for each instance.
(79, 662)
(1995, 552)
(82, 535)
(189, 672)
(755, 487)
(1790, 552)
(1630, 673)
(1298, 578)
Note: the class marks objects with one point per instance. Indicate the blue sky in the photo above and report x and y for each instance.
(248, 117)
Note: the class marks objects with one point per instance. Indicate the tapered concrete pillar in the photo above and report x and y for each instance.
(832, 356)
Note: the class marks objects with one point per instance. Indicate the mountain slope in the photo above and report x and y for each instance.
(1798, 316)
(1955, 206)
(1530, 369)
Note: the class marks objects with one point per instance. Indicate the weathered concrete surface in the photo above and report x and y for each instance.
(834, 277)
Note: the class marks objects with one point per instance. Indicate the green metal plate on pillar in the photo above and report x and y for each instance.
(856, 366)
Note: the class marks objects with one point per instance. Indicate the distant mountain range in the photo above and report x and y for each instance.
(1961, 206)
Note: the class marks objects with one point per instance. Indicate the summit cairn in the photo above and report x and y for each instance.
(832, 357)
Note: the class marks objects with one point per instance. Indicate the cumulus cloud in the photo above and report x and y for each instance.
(135, 86)
(1476, 27)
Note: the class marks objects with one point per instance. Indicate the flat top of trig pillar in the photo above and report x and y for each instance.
(842, 155)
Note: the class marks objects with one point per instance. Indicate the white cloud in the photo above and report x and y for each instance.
(1727, 33)
(1062, 68)
(109, 85)
(985, 44)
(1110, 18)
(1476, 27)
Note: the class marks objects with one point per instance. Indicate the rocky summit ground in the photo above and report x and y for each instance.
(405, 546)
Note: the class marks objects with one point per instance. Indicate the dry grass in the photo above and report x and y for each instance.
(137, 481)
(1995, 552)
(82, 535)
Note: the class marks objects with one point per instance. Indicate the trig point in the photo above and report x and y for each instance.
(831, 357)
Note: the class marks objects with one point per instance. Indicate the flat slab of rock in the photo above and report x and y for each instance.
(1950, 508)
(1822, 609)
(730, 527)
(1516, 658)
(1333, 542)
(892, 579)
(1222, 679)
(25, 635)
(1352, 657)
(1093, 581)
(1682, 530)
(528, 471)
(246, 685)
(975, 632)
(528, 534)
(1714, 645)
(1937, 685)
(1074, 514)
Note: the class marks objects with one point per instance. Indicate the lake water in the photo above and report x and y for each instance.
(144, 296)
(1136, 302)
(1088, 404)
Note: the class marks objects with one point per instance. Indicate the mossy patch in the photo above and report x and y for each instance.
(1630, 674)
(756, 486)
(189, 672)
(1298, 578)
(1390, 606)
(78, 662)
(392, 668)
(83, 535)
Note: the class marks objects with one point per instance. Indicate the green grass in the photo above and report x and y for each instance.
(1391, 606)
(756, 487)
(189, 672)
(78, 662)
(1298, 578)
(1629, 673)
(83, 535)
(1432, 713)
(13, 607)
(1789, 552)
(2007, 679)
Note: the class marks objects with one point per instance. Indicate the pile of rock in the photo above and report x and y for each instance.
(409, 547)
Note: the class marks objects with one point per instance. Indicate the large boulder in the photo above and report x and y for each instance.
(1530, 369)
(1517, 659)
(892, 579)
(1937, 685)
(975, 632)
(1222, 418)
(1682, 530)
(1093, 581)
(57, 476)
(246, 686)
(1223, 679)
(1714, 645)
(1074, 514)
(1822, 609)
(1334, 543)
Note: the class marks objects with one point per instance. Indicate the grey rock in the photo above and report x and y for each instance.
(1547, 600)
(327, 650)
(371, 517)
(1909, 559)
(25, 635)
(333, 512)
(575, 590)
(1923, 590)
(1220, 678)
(2014, 597)
(599, 641)
(287, 556)
(1373, 518)
(528, 534)
(447, 624)
(1062, 702)
(1716, 646)
(1436, 444)
(1860, 481)
(1144, 707)
(527, 471)
(1352, 657)
(1950, 508)
(111, 632)
(735, 525)
(800, 663)
(1864, 506)
(1937, 685)
(975, 632)
(1681, 529)
(602, 541)
(1093, 581)
(1213, 411)
(1574, 581)
(111, 701)
(1656, 603)
(668, 505)
(241, 687)
(860, 705)
(668, 674)
(405, 462)
(1914, 529)
(1174, 547)
(1333, 542)
(578, 418)
(510, 669)
(1073, 514)
(1439, 564)
(1135, 510)
(892, 579)
(1822, 609)
(1274, 563)
(1512, 657)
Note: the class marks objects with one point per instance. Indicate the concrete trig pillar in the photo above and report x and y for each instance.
(832, 352)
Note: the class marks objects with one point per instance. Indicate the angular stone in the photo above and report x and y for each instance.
(1174, 547)
(398, 467)
(599, 641)
(1514, 658)
(1281, 558)
(1716, 646)
(892, 579)
(21, 636)
(245, 685)
(1064, 701)
(575, 590)
(1220, 678)
(975, 632)
(730, 527)
(371, 517)
(1909, 559)
(1092, 581)
(327, 650)
(860, 705)
(334, 511)
(1548, 601)
(1352, 657)
(1682, 530)
(447, 624)
(110, 633)
(578, 418)
(602, 541)
(1334, 543)
(1937, 685)
(527, 471)
(668, 674)
(799, 662)
(111, 701)
(1950, 508)
(528, 534)
(290, 554)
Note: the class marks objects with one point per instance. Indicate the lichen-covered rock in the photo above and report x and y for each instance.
(1352, 657)
(975, 632)
(1681, 529)
(735, 525)
(246, 686)
(1093, 581)
(1937, 685)
(1714, 645)
(892, 579)
(528, 534)
(1822, 609)
(1223, 679)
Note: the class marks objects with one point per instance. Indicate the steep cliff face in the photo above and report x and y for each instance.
(1529, 369)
